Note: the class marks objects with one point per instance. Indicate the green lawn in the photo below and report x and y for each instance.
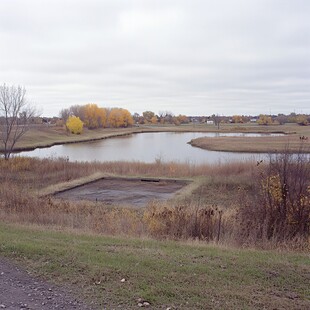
(165, 273)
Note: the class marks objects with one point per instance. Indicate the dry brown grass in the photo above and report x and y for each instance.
(214, 200)
(41, 173)
(26, 180)
(253, 144)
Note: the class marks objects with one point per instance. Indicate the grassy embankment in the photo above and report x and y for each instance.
(164, 273)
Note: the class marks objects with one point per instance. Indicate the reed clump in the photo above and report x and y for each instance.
(182, 221)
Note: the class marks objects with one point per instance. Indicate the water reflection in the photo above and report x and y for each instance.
(145, 147)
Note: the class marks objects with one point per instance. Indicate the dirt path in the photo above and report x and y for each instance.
(20, 290)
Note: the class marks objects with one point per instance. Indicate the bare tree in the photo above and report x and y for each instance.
(64, 114)
(15, 117)
(217, 120)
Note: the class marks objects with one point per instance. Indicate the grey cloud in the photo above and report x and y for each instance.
(208, 56)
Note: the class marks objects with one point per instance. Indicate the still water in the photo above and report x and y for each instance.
(145, 147)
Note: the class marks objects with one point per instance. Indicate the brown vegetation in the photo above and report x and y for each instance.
(228, 204)
(252, 144)
(281, 208)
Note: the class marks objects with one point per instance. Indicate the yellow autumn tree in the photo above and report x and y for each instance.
(127, 118)
(264, 120)
(148, 115)
(183, 119)
(302, 120)
(93, 116)
(154, 120)
(74, 125)
(119, 118)
(237, 119)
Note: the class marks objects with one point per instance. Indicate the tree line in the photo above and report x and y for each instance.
(17, 114)
(93, 117)
(263, 119)
(163, 117)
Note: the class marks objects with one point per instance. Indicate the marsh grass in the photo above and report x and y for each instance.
(27, 181)
(44, 172)
(207, 210)
(252, 144)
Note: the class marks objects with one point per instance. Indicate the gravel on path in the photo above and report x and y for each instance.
(20, 290)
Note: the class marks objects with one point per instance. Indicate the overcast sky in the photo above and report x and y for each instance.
(194, 57)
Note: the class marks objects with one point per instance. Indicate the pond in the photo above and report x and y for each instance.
(145, 147)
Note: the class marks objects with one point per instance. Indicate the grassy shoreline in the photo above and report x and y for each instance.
(179, 275)
(252, 144)
(43, 136)
(48, 137)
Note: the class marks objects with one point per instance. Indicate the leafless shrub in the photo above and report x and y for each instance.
(279, 210)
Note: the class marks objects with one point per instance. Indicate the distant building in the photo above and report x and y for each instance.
(210, 122)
